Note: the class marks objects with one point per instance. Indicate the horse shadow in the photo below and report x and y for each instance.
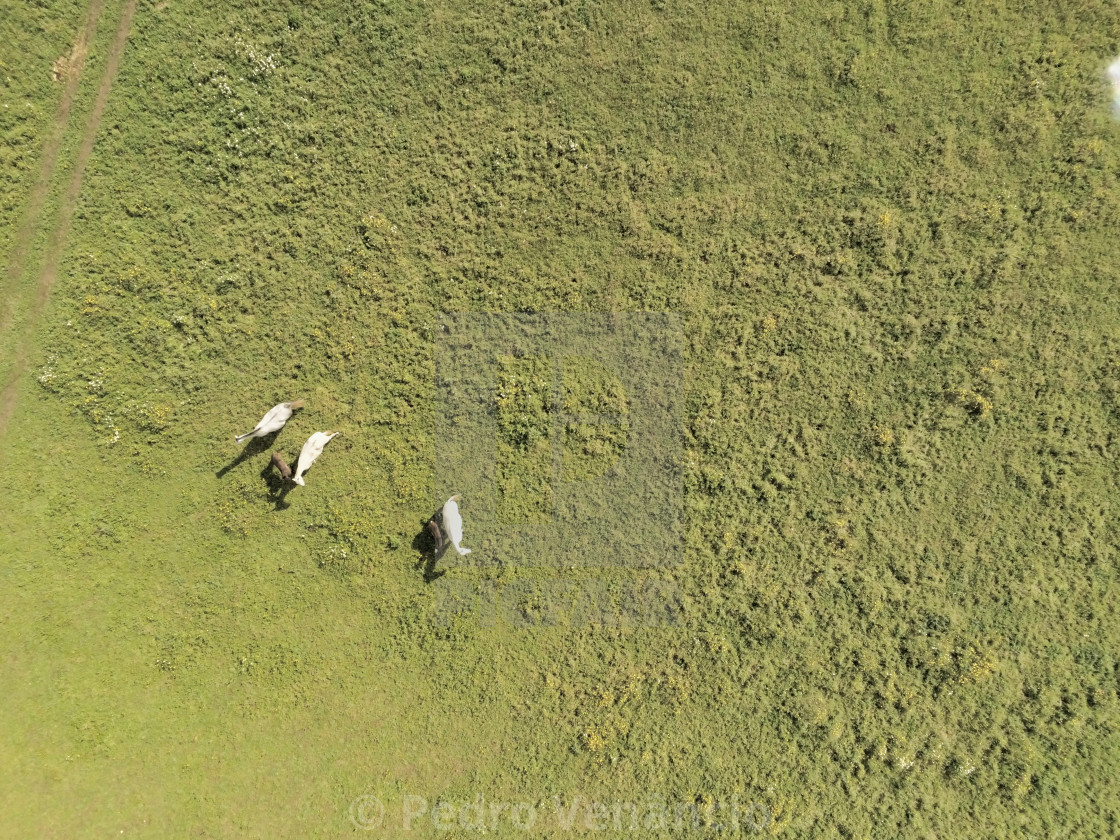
(255, 446)
(430, 551)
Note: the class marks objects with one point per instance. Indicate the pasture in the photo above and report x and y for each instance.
(879, 242)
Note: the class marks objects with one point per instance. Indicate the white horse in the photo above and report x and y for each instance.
(453, 523)
(273, 421)
(311, 450)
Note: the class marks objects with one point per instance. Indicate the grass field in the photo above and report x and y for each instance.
(883, 235)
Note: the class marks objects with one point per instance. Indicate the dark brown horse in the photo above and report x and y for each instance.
(280, 464)
(437, 535)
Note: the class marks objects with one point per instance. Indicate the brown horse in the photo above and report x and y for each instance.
(437, 535)
(280, 464)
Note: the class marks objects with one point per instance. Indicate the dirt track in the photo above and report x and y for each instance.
(31, 221)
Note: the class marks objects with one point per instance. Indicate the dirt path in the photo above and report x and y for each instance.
(66, 211)
(29, 224)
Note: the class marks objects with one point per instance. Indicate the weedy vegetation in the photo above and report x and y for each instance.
(889, 232)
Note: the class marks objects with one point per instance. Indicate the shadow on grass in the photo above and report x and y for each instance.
(430, 552)
(255, 446)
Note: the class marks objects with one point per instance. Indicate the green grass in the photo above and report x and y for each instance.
(888, 231)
